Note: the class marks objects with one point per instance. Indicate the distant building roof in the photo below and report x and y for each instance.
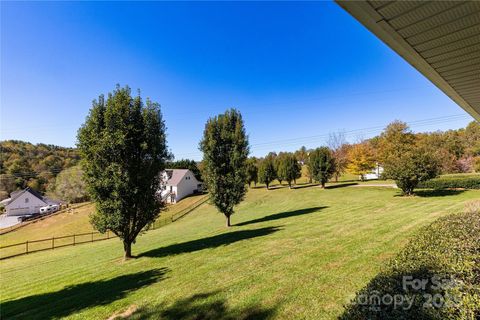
(175, 176)
(14, 195)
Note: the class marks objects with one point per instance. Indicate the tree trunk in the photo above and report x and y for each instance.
(127, 247)
(228, 221)
(267, 186)
(323, 185)
(336, 177)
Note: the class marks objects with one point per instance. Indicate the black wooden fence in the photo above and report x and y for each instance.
(17, 249)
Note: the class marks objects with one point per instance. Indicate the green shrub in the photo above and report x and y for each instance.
(447, 252)
(464, 181)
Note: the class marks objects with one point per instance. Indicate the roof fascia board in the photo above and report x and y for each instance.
(370, 18)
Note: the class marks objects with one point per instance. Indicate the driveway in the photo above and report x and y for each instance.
(6, 221)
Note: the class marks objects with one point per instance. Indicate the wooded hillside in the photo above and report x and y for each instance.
(25, 164)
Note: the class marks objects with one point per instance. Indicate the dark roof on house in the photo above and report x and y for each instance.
(14, 195)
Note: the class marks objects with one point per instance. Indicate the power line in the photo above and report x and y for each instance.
(349, 133)
(304, 140)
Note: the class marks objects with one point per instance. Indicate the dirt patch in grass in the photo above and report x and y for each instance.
(125, 314)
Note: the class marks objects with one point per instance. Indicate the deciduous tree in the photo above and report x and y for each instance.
(288, 168)
(339, 146)
(70, 185)
(225, 152)
(321, 164)
(396, 139)
(361, 159)
(252, 171)
(412, 167)
(266, 171)
(123, 148)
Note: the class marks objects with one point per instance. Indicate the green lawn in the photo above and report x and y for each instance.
(74, 221)
(292, 254)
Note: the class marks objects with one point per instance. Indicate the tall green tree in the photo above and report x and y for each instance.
(266, 171)
(276, 163)
(225, 152)
(288, 168)
(395, 139)
(322, 165)
(252, 171)
(413, 166)
(123, 149)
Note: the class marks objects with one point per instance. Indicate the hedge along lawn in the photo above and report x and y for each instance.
(299, 253)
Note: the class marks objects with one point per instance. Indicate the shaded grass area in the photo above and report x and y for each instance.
(204, 306)
(209, 242)
(292, 254)
(87, 295)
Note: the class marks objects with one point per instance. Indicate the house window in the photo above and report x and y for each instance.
(26, 200)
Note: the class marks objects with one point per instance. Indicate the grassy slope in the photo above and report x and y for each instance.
(296, 254)
(74, 221)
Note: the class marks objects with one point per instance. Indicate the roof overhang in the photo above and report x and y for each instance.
(441, 39)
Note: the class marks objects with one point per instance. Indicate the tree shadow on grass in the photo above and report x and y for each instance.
(341, 185)
(305, 185)
(73, 299)
(210, 242)
(282, 215)
(203, 306)
(277, 186)
(438, 193)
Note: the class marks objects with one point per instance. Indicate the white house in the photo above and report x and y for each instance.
(177, 184)
(375, 174)
(28, 202)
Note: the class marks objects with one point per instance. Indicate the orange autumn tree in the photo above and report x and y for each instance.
(361, 159)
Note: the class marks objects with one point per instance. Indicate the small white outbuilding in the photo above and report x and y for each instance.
(177, 184)
(27, 202)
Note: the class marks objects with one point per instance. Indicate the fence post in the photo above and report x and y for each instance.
(53, 242)
(26, 247)
(92, 236)
(108, 235)
(74, 239)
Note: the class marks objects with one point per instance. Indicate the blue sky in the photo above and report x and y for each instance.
(296, 71)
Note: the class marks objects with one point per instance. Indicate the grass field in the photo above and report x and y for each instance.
(291, 254)
(74, 221)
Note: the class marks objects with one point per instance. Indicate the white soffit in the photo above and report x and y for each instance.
(441, 39)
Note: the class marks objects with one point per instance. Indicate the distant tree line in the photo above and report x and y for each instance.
(406, 157)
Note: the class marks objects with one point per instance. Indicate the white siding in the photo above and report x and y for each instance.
(25, 204)
(187, 186)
